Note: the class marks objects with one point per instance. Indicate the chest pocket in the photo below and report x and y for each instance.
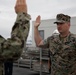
(68, 50)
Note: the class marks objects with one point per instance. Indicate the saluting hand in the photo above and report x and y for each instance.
(21, 6)
(37, 22)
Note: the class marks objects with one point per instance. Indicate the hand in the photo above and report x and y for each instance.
(37, 22)
(21, 6)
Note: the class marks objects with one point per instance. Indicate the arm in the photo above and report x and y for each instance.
(37, 37)
(21, 27)
(13, 47)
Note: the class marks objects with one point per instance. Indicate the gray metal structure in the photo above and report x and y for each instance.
(36, 59)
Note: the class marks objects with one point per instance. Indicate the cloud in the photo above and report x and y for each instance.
(49, 8)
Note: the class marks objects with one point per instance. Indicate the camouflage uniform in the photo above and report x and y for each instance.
(63, 51)
(63, 54)
(12, 47)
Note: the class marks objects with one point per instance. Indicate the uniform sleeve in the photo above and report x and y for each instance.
(45, 43)
(13, 47)
(2, 39)
(21, 27)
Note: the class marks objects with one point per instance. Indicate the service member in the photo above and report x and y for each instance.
(62, 46)
(12, 47)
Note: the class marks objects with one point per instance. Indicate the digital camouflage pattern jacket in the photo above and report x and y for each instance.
(63, 54)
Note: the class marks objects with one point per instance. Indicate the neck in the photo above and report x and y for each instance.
(64, 34)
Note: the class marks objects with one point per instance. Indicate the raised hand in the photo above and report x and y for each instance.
(37, 22)
(21, 6)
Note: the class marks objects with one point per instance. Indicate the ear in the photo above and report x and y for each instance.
(69, 24)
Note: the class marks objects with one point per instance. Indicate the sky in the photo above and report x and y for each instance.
(48, 9)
